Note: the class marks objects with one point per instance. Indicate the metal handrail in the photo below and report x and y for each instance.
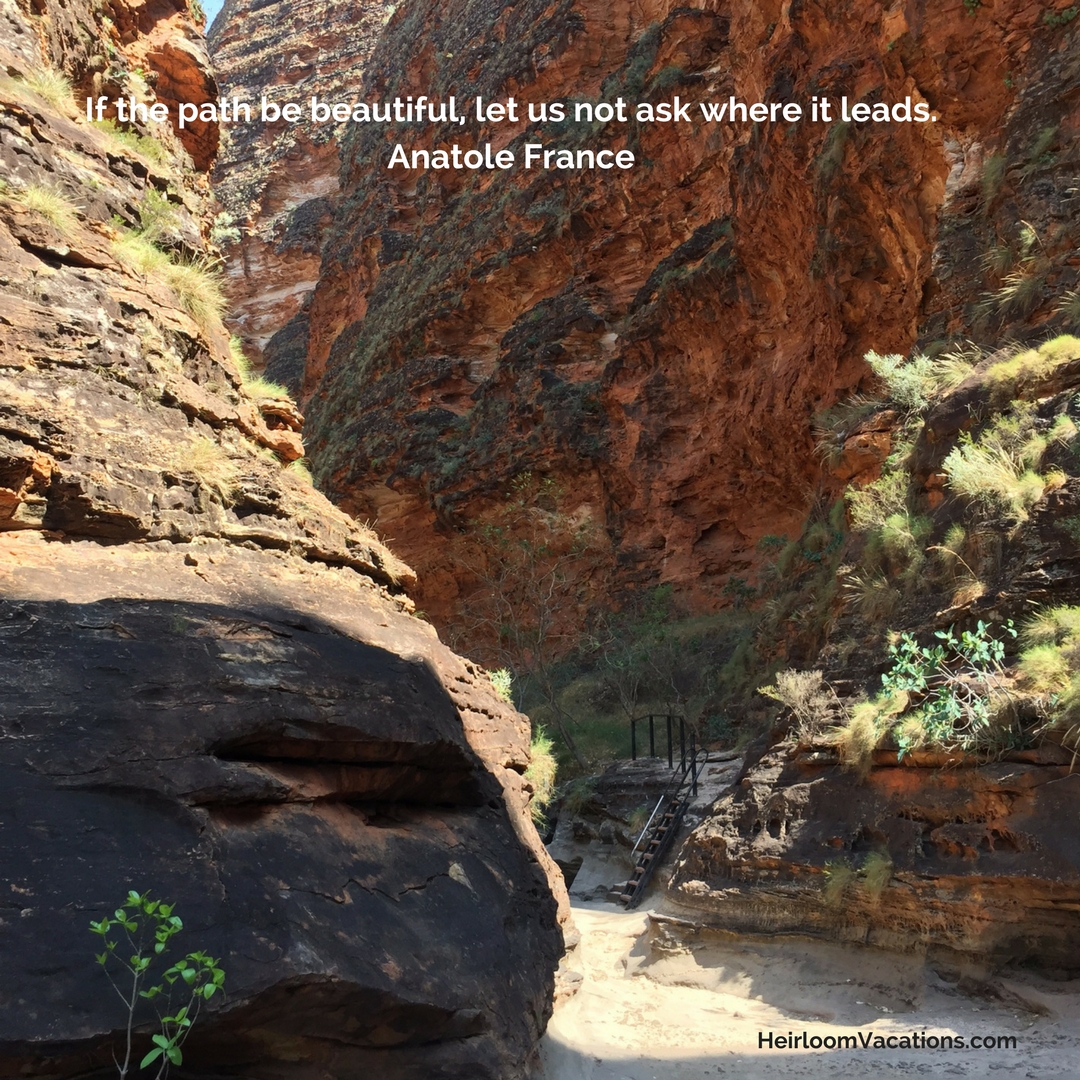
(659, 803)
(698, 760)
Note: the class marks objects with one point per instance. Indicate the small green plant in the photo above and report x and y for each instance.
(972, 6)
(265, 388)
(993, 175)
(1069, 307)
(196, 282)
(810, 698)
(578, 795)
(146, 927)
(1020, 292)
(871, 506)
(876, 873)
(145, 146)
(838, 876)
(998, 470)
(770, 543)
(503, 682)
(858, 737)
(159, 219)
(955, 685)
(209, 463)
(1060, 18)
(831, 158)
(301, 470)
(224, 231)
(637, 819)
(873, 596)
(909, 382)
(993, 477)
(1038, 153)
(1029, 366)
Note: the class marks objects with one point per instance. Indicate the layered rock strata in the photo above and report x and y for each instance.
(213, 684)
(981, 869)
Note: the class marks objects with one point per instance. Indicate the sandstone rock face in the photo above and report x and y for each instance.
(981, 867)
(213, 685)
(645, 336)
(280, 180)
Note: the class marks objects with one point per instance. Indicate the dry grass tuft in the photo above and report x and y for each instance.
(209, 463)
(51, 203)
(857, 740)
(195, 282)
(52, 86)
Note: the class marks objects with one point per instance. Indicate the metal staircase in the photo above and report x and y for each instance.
(659, 832)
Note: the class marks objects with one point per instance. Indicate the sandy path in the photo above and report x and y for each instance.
(697, 1014)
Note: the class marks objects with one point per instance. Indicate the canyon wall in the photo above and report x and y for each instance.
(278, 181)
(658, 340)
(214, 684)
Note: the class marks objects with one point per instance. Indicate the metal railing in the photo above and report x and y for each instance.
(669, 720)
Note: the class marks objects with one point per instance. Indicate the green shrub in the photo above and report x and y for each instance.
(838, 876)
(997, 471)
(196, 282)
(300, 469)
(872, 505)
(578, 795)
(857, 738)
(950, 369)
(909, 382)
(902, 537)
(145, 146)
(993, 175)
(1031, 365)
(1052, 626)
(503, 683)
(955, 686)
(159, 219)
(1044, 669)
(876, 872)
(224, 231)
(198, 286)
(1069, 307)
(1060, 18)
(541, 774)
(872, 594)
(808, 696)
(263, 388)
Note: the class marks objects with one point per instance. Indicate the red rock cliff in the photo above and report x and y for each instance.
(658, 339)
(279, 181)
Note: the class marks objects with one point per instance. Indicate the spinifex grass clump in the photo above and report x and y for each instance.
(136, 937)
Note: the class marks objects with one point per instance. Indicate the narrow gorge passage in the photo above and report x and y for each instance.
(363, 525)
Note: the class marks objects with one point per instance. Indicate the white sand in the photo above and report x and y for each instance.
(679, 1014)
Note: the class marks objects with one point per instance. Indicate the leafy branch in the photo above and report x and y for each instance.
(145, 927)
(956, 683)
